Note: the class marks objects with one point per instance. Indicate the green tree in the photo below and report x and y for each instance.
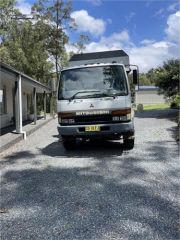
(24, 49)
(7, 11)
(151, 76)
(36, 46)
(168, 78)
(80, 44)
(143, 80)
(53, 18)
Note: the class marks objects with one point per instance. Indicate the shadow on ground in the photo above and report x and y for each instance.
(13, 158)
(12, 127)
(109, 149)
(110, 198)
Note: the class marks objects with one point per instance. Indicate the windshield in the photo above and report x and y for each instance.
(91, 82)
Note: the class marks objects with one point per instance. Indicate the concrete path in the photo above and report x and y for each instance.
(8, 139)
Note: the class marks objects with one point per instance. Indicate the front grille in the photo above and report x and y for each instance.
(93, 119)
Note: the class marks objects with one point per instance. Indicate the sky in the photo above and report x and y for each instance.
(147, 30)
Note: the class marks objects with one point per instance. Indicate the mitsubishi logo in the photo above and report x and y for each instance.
(91, 106)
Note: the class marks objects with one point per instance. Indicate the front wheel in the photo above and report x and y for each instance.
(69, 143)
(128, 144)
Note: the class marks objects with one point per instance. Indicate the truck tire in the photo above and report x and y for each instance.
(128, 144)
(69, 143)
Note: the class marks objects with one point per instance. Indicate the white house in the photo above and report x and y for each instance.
(148, 95)
(18, 97)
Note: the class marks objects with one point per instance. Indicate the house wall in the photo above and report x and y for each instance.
(149, 97)
(26, 90)
(8, 80)
(8, 83)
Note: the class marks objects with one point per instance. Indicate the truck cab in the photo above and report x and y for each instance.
(94, 101)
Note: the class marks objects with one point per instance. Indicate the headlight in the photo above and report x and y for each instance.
(115, 118)
(66, 117)
(71, 121)
(68, 121)
(121, 114)
(64, 121)
(121, 118)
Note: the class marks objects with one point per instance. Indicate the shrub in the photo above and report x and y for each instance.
(175, 101)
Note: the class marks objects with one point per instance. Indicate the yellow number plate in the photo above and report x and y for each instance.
(92, 128)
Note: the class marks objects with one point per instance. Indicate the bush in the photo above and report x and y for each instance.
(175, 101)
(140, 107)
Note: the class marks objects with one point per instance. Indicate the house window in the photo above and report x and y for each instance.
(3, 101)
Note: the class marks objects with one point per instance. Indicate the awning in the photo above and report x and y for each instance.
(5, 68)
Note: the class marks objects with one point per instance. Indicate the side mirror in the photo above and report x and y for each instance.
(135, 77)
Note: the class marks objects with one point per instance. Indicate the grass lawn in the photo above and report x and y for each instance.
(156, 106)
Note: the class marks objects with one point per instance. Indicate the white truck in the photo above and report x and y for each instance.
(94, 98)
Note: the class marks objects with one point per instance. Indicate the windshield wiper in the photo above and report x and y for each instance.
(73, 96)
(97, 93)
(100, 94)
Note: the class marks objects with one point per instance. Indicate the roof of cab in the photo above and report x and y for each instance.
(91, 65)
(98, 55)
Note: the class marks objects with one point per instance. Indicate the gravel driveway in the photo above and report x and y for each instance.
(96, 192)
